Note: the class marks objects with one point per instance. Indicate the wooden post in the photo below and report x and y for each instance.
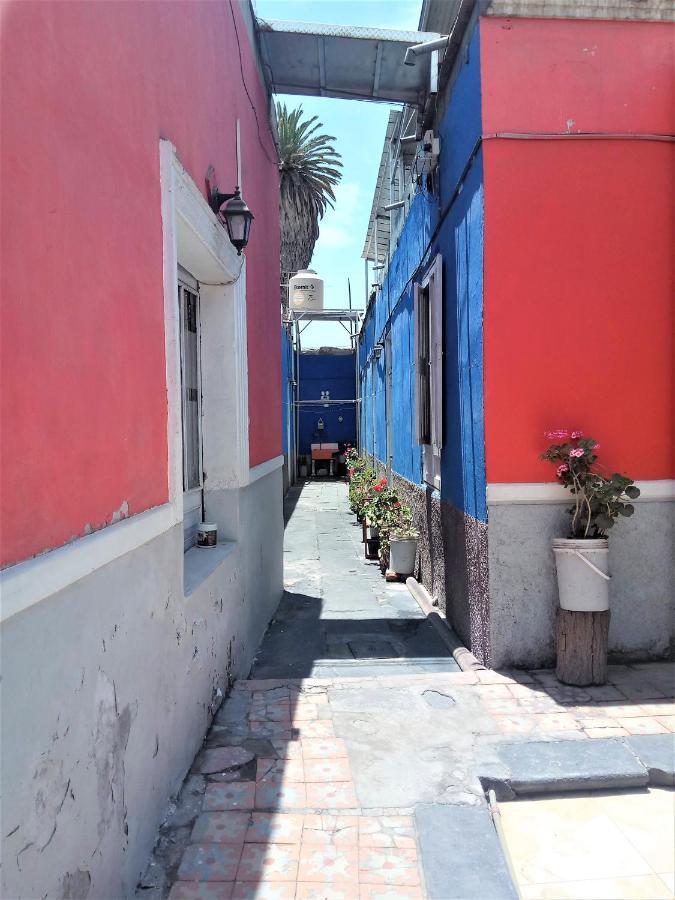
(582, 647)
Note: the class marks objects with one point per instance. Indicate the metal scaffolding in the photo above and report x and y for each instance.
(299, 321)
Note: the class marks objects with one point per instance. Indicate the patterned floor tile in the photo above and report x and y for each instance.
(328, 864)
(220, 828)
(275, 828)
(327, 770)
(201, 890)
(389, 892)
(281, 769)
(319, 728)
(308, 712)
(387, 866)
(274, 793)
(641, 725)
(209, 862)
(277, 730)
(269, 862)
(264, 890)
(287, 749)
(270, 712)
(386, 831)
(331, 795)
(323, 830)
(307, 891)
(320, 748)
(229, 796)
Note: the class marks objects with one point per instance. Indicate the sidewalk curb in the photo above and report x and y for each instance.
(464, 658)
(552, 767)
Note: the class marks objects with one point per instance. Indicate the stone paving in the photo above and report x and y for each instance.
(338, 771)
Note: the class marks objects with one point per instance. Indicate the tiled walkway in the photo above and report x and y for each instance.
(631, 835)
(327, 773)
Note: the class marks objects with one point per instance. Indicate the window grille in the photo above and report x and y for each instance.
(429, 359)
(188, 301)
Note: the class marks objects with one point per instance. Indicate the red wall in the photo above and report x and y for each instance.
(578, 243)
(88, 90)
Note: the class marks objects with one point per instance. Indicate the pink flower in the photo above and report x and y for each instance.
(595, 446)
(562, 469)
(577, 434)
(578, 452)
(559, 435)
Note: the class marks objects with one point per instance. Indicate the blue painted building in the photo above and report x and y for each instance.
(326, 389)
(435, 236)
(327, 381)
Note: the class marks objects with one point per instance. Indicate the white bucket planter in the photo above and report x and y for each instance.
(372, 531)
(583, 573)
(402, 555)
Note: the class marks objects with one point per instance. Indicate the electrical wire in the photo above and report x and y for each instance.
(275, 162)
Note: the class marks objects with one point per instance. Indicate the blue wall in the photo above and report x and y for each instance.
(287, 429)
(333, 372)
(452, 226)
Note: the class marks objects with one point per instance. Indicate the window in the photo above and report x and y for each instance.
(191, 405)
(429, 366)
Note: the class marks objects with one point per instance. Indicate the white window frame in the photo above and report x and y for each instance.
(429, 302)
(193, 498)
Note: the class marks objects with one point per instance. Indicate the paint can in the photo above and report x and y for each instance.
(207, 535)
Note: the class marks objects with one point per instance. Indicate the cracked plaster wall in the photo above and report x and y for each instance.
(108, 688)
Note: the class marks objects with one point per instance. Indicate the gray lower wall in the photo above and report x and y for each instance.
(108, 687)
(523, 588)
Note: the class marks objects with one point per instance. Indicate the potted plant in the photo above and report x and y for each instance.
(582, 557)
(403, 548)
(393, 520)
(361, 482)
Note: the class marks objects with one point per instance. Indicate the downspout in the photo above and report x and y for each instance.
(416, 50)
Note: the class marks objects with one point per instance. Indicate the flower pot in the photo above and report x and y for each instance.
(372, 531)
(583, 573)
(207, 534)
(371, 548)
(402, 555)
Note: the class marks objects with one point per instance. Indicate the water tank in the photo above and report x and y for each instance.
(305, 290)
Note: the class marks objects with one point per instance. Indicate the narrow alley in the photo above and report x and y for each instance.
(338, 617)
(356, 759)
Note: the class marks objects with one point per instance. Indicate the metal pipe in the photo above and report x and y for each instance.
(323, 402)
(297, 396)
(420, 49)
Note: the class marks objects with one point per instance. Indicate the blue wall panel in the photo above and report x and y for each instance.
(458, 236)
(327, 372)
(287, 430)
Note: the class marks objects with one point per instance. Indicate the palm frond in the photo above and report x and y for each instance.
(309, 169)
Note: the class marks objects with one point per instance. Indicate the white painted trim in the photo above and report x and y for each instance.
(35, 579)
(265, 468)
(551, 492)
(241, 375)
(171, 328)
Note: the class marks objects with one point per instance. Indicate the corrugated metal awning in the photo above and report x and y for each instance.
(344, 61)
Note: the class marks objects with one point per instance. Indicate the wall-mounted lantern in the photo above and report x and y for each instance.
(377, 350)
(232, 212)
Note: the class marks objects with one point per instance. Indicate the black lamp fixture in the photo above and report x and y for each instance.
(232, 211)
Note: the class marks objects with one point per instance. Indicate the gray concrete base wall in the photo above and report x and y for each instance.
(108, 687)
(523, 587)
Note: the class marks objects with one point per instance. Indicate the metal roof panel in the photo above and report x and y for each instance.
(345, 61)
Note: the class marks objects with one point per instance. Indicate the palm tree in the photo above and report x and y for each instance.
(310, 169)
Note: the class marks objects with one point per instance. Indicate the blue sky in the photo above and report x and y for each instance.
(359, 129)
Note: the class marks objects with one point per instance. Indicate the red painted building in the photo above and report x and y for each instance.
(542, 242)
(140, 380)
